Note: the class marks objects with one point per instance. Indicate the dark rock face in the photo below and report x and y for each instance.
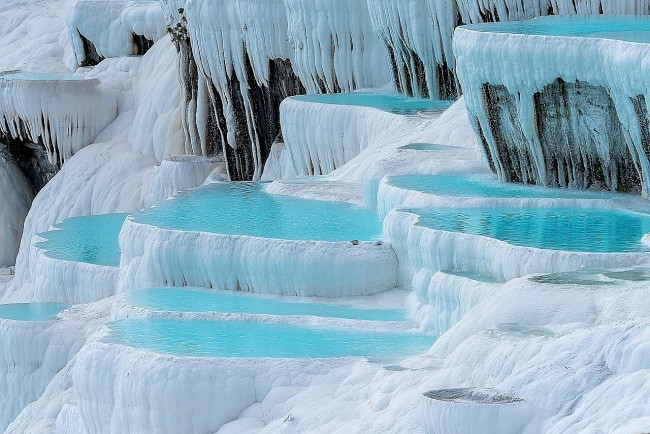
(265, 107)
(32, 160)
(90, 52)
(141, 44)
(579, 140)
(516, 161)
(588, 144)
(257, 128)
(189, 83)
(255, 113)
(409, 74)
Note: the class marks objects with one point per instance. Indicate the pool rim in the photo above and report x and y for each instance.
(54, 318)
(599, 255)
(105, 334)
(476, 28)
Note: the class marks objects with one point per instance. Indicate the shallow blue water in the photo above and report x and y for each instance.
(486, 186)
(572, 229)
(625, 28)
(185, 300)
(38, 76)
(252, 339)
(243, 208)
(31, 311)
(428, 147)
(90, 239)
(388, 102)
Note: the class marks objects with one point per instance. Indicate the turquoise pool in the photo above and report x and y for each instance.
(31, 311)
(244, 208)
(572, 229)
(429, 147)
(486, 186)
(90, 239)
(388, 102)
(191, 300)
(625, 28)
(252, 339)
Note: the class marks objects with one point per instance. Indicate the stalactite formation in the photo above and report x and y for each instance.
(62, 113)
(31, 159)
(545, 118)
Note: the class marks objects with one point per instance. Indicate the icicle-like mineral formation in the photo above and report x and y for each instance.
(240, 59)
(418, 33)
(61, 113)
(418, 36)
(560, 110)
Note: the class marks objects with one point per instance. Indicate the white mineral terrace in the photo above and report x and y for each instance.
(307, 151)
(253, 264)
(528, 57)
(70, 282)
(386, 280)
(111, 24)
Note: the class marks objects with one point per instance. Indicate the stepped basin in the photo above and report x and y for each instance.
(486, 411)
(189, 300)
(624, 28)
(77, 262)
(235, 236)
(89, 239)
(485, 186)
(566, 229)
(348, 125)
(35, 346)
(31, 311)
(388, 102)
(257, 340)
(246, 209)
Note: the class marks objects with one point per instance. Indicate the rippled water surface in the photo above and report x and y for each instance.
(244, 208)
(486, 186)
(251, 339)
(624, 28)
(190, 300)
(572, 229)
(91, 239)
(31, 311)
(388, 102)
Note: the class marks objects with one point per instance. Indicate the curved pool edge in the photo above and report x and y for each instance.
(155, 257)
(391, 197)
(123, 309)
(124, 385)
(443, 250)
(69, 282)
